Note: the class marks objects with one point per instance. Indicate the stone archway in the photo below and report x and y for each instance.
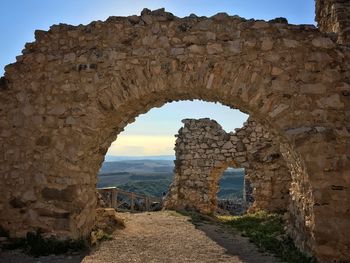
(204, 151)
(76, 87)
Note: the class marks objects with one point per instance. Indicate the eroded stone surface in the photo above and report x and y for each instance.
(204, 151)
(333, 16)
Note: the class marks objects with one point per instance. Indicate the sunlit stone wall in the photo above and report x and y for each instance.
(334, 16)
(204, 151)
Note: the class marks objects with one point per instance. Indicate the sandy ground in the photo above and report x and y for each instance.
(162, 237)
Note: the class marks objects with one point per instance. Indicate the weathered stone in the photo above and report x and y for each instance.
(242, 148)
(323, 42)
(28, 110)
(29, 196)
(234, 46)
(299, 130)
(279, 109)
(177, 51)
(214, 49)
(57, 213)
(220, 16)
(108, 220)
(203, 25)
(290, 43)
(260, 25)
(266, 44)
(66, 195)
(57, 109)
(228, 145)
(332, 101)
(70, 120)
(43, 141)
(317, 88)
(70, 57)
(149, 40)
(147, 19)
(276, 71)
(333, 16)
(196, 49)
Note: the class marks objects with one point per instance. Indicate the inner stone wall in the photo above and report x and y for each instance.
(204, 151)
(334, 16)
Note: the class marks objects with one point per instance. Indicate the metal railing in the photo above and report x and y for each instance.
(123, 201)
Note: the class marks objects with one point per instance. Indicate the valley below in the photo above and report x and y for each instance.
(153, 175)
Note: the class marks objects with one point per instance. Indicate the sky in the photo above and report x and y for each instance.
(151, 133)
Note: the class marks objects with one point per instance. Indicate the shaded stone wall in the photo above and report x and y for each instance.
(334, 16)
(75, 88)
(204, 151)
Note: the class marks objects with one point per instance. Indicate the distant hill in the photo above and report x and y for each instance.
(231, 184)
(112, 158)
(153, 177)
(138, 166)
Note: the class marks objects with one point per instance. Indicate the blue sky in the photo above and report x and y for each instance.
(20, 18)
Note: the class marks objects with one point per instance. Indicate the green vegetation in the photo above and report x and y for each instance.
(152, 188)
(98, 236)
(174, 213)
(153, 177)
(34, 244)
(197, 218)
(266, 231)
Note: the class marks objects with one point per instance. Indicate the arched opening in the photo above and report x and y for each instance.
(141, 160)
(232, 196)
(64, 102)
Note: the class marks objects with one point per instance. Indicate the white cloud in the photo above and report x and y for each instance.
(139, 145)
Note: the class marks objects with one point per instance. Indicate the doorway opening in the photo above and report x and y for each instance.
(231, 194)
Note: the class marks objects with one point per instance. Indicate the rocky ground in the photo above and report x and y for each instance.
(160, 237)
(16, 256)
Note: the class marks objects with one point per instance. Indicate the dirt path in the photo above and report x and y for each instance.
(167, 237)
(162, 237)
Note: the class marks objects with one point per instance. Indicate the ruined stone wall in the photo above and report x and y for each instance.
(334, 16)
(75, 88)
(204, 151)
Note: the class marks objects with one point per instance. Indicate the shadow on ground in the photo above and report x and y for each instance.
(232, 241)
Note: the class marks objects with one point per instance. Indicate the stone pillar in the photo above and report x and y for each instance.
(334, 16)
(248, 193)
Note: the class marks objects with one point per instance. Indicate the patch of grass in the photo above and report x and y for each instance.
(266, 231)
(196, 218)
(99, 236)
(34, 244)
(174, 213)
